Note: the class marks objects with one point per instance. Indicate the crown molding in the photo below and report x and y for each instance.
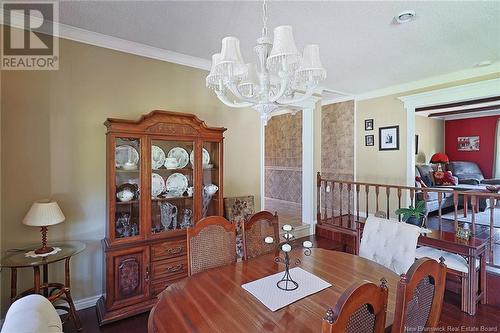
(432, 81)
(118, 44)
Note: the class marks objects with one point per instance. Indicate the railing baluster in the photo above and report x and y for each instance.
(388, 194)
(399, 202)
(325, 199)
(367, 189)
(466, 204)
(455, 204)
(492, 227)
(341, 189)
(357, 202)
(376, 194)
(333, 201)
(440, 200)
(412, 197)
(318, 197)
(349, 187)
(473, 209)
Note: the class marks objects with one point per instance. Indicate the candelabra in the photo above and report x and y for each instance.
(286, 282)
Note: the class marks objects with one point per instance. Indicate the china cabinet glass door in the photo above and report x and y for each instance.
(211, 179)
(127, 184)
(172, 185)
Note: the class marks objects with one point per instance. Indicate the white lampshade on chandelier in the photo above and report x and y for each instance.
(284, 76)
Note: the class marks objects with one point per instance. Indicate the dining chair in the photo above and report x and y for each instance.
(390, 243)
(237, 210)
(259, 226)
(211, 243)
(361, 308)
(419, 297)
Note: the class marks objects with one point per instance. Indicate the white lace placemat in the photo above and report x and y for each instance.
(32, 254)
(266, 291)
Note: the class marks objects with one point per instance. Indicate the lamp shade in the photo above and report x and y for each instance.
(231, 62)
(214, 76)
(44, 213)
(284, 53)
(310, 65)
(440, 158)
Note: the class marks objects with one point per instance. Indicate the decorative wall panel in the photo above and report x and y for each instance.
(283, 157)
(337, 148)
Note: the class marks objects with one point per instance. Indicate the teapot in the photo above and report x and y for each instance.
(211, 189)
(125, 195)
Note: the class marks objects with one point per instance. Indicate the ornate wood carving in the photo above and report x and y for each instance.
(172, 129)
(128, 276)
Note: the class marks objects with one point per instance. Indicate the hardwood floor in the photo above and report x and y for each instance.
(452, 319)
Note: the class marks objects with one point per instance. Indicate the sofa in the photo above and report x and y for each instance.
(469, 173)
(424, 171)
(32, 313)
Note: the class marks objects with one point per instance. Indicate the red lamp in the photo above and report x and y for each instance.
(439, 158)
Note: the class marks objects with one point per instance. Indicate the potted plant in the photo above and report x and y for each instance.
(413, 215)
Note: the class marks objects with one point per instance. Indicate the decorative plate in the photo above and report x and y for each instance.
(206, 157)
(181, 155)
(157, 185)
(124, 154)
(157, 157)
(177, 183)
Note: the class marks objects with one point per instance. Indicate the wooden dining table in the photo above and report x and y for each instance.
(214, 301)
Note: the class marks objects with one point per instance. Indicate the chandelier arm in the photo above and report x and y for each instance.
(282, 90)
(223, 98)
(309, 92)
(235, 91)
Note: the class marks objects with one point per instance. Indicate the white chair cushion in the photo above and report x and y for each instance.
(451, 260)
(389, 243)
(32, 313)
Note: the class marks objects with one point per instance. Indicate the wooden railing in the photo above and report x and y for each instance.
(341, 203)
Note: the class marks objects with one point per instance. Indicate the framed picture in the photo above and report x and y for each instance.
(416, 144)
(369, 140)
(468, 143)
(388, 138)
(368, 124)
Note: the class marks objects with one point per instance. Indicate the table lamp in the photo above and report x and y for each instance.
(42, 214)
(439, 158)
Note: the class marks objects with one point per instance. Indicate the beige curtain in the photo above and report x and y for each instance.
(496, 160)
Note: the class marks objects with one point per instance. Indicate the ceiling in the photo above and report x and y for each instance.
(481, 107)
(361, 47)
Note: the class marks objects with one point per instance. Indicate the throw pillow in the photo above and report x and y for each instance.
(420, 181)
(444, 178)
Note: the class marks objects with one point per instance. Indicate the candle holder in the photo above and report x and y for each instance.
(286, 282)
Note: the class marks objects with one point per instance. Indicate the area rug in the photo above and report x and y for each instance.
(482, 218)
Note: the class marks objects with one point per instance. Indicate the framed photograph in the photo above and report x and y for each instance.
(369, 140)
(388, 138)
(468, 143)
(368, 124)
(416, 144)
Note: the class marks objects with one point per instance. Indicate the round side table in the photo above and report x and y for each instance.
(15, 259)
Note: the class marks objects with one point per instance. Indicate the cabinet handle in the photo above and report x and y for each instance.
(172, 269)
(146, 278)
(174, 250)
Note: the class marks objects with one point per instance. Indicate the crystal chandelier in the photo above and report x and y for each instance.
(285, 77)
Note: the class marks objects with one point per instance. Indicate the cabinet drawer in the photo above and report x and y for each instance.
(169, 267)
(159, 285)
(168, 250)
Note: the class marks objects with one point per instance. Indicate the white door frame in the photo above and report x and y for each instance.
(481, 89)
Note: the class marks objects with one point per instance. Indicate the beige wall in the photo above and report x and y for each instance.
(430, 133)
(53, 143)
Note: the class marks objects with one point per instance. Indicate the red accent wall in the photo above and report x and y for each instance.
(485, 128)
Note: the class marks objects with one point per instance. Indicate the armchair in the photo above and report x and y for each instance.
(469, 173)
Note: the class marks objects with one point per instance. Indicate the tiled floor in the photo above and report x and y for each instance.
(288, 212)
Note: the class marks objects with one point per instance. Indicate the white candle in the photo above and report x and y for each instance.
(287, 227)
(269, 240)
(307, 244)
(286, 248)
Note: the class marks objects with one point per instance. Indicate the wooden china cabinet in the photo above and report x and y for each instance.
(164, 173)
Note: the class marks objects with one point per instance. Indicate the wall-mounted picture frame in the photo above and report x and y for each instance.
(416, 144)
(468, 143)
(388, 138)
(368, 124)
(369, 140)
